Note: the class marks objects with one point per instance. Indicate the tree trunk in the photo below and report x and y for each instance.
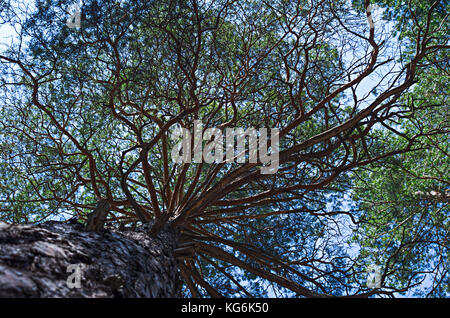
(57, 259)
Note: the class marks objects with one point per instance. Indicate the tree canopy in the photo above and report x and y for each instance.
(357, 89)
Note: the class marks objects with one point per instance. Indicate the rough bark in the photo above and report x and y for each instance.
(34, 262)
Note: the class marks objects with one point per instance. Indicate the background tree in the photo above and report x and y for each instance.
(87, 114)
(403, 200)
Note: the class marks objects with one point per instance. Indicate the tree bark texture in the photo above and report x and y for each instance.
(39, 261)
